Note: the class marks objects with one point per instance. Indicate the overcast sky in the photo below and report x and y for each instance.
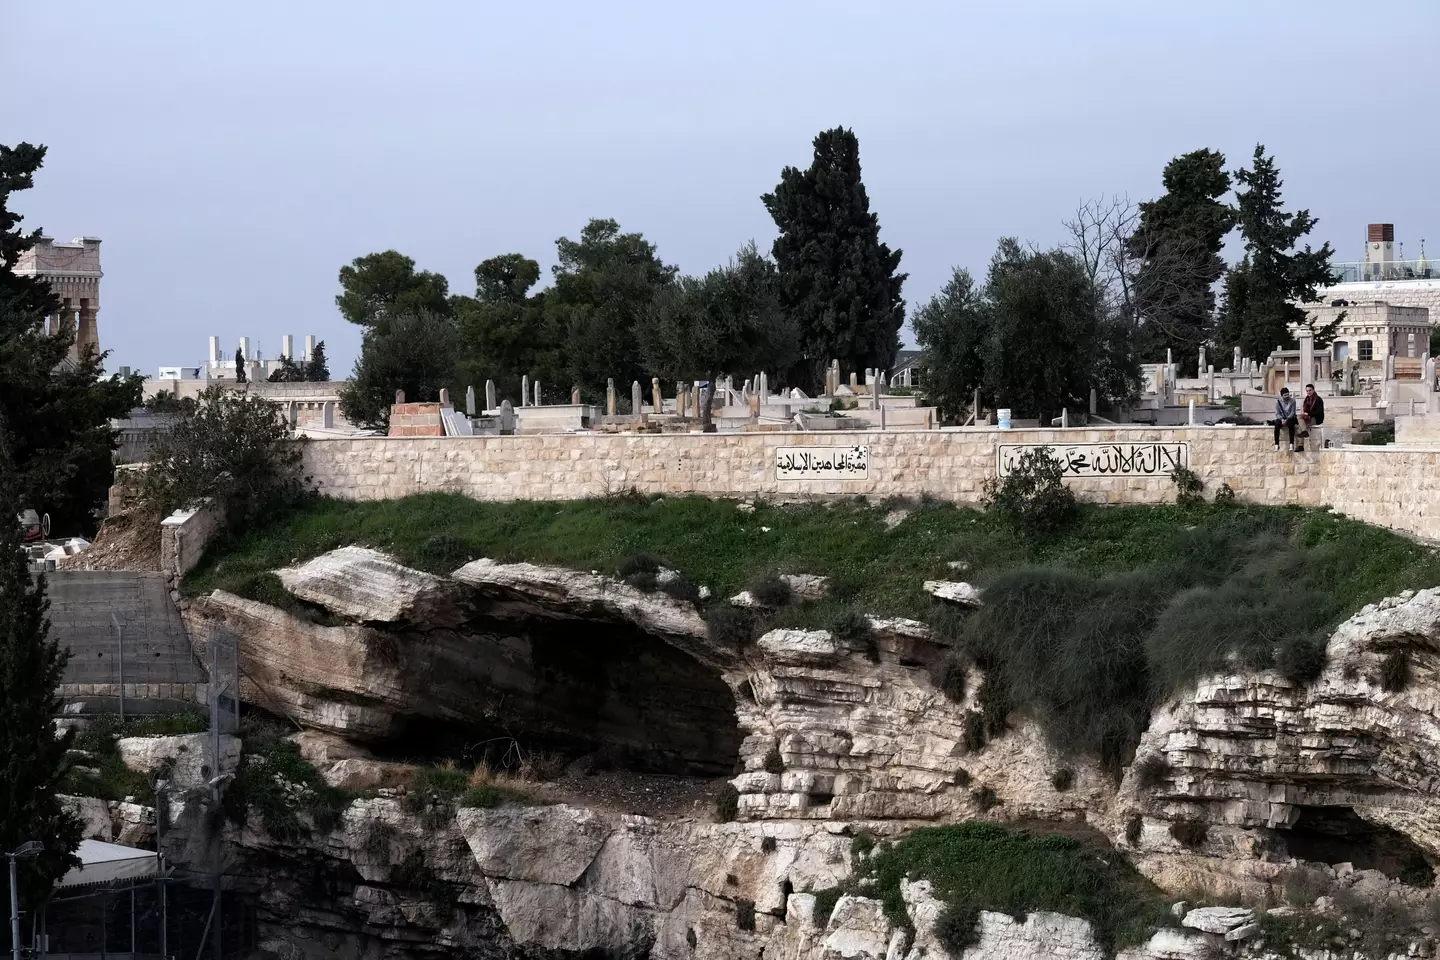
(233, 156)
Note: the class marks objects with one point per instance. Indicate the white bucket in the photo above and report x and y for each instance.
(1003, 415)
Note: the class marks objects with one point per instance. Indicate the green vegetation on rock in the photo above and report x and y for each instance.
(977, 866)
(96, 769)
(1085, 628)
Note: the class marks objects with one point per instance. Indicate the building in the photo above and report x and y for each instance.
(73, 272)
(1370, 332)
(1384, 275)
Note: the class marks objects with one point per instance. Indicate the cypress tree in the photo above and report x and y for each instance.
(317, 368)
(1263, 295)
(1177, 244)
(838, 281)
(32, 757)
(239, 366)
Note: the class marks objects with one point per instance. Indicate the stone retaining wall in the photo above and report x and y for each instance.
(1382, 485)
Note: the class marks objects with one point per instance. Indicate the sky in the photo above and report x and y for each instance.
(233, 157)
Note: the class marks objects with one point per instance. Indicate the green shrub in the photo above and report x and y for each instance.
(745, 915)
(732, 626)
(974, 731)
(850, 625)
(1190, 833)
(1305, 885)
(1032, 497)
(279, 786)
(962, 777)
(1189, 488)
(774, 763)
(643, 580)
(985, 799)
(825, 901)
(1225, 495)
(862, 843)
(978, 866)
(1134, 827)
(949, 676)
(727, 804)
(767, 844)
(1063, 779)
(492, 796)
(638, 563)
(445, 550)
(113, 780)
(770, 591)
(958, 927)
(678, 588)
(1395, 671)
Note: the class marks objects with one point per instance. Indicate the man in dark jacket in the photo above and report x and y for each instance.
(1312, 411)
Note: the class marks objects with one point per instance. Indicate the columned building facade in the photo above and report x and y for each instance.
(73, 272)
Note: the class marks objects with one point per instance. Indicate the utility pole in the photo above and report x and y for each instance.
(28, 850)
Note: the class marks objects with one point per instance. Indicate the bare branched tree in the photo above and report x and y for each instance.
(1099, 234)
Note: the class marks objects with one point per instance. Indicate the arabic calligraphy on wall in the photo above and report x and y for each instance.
(1103, 459)
(822, 463)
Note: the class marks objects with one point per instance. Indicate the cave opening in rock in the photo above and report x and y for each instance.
(1334, 835)
(610, 693)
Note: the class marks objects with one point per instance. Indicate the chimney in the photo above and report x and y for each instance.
(214, 349)
(287, 347)
(309, 346)
(1379, 251)
(1381, 233)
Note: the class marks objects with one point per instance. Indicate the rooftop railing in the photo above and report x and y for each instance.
(1358, 271)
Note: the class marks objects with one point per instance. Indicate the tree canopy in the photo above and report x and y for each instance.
(1263, 290)
(1176, 248)
(32, 665)
(380, 285)
(504, 331)
(414, 352)
(59, 408)
(953, 328)
(837, 279)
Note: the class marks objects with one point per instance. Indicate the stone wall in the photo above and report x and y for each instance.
(185, 534)
(1383, 485)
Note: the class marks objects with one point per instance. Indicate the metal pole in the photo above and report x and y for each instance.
(219, 915)
(164, 918)
(14, 911)
(120, 647)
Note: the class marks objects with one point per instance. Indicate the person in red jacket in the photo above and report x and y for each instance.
(1312, 411)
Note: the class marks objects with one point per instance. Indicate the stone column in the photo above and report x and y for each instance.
(655, 397)
(1201, 365)
(489, 395)
(764, 389)
(636, 401)
(575, 396)
(610, 404)
(1236, 368)
(1210, 388)
(470, 401)
(525, 390)
(1306, 336)
(537, 402)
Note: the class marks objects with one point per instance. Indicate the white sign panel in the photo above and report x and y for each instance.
(822, 463)
(1102, 459)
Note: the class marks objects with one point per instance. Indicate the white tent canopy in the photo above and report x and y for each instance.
(102, 862)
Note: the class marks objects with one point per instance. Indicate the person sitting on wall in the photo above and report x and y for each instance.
(1312, 411)
(1285, 416)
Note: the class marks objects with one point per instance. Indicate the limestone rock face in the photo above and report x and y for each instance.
(954, 592)
(187, 756)
(1272, 766)
(367, 586)
(93, 813)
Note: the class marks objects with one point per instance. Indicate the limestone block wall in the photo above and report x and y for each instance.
(952, 464)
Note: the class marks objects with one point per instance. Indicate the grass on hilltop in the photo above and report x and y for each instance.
(1085, 630)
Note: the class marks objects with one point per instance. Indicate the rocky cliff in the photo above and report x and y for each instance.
(1237, 786)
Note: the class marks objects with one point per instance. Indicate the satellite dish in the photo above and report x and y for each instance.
(45, 526)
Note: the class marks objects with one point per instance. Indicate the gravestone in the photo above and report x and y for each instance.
(327, 414)
(1200, 367)
(537, 402)
(507, 418)
(399, 396)
(489, 394)
(575, 396)
(470, 401)
(445, 397)
(655, 397)
(610, 397)
(636, 401)
(524, 390)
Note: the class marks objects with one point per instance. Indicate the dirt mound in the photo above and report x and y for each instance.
(129, 540)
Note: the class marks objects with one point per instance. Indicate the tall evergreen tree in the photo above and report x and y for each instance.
(1177, 247)
(418, 353)
(505, 333)
(59, 407)
(240, 376)
(837, 279)
(32, 758)
(953, 328)
(1264, 293)
(317, 368)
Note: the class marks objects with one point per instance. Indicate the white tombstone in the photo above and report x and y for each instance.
(537, 402)
(1236, 366)
(507, 418)
(610, 402)
(1192, 411)
(636, 401)
(525, 390)
(1200, 366)
(470, 401)
(489, 394)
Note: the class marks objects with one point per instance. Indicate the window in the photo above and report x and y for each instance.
(1411, 346)
(1367, 349)
(1342, 350)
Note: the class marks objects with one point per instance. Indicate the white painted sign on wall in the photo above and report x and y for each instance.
(1102, 459)
(822, 463)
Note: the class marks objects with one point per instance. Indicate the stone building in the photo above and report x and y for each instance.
(1373, 331)
(73, 272)
(1385, 275)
